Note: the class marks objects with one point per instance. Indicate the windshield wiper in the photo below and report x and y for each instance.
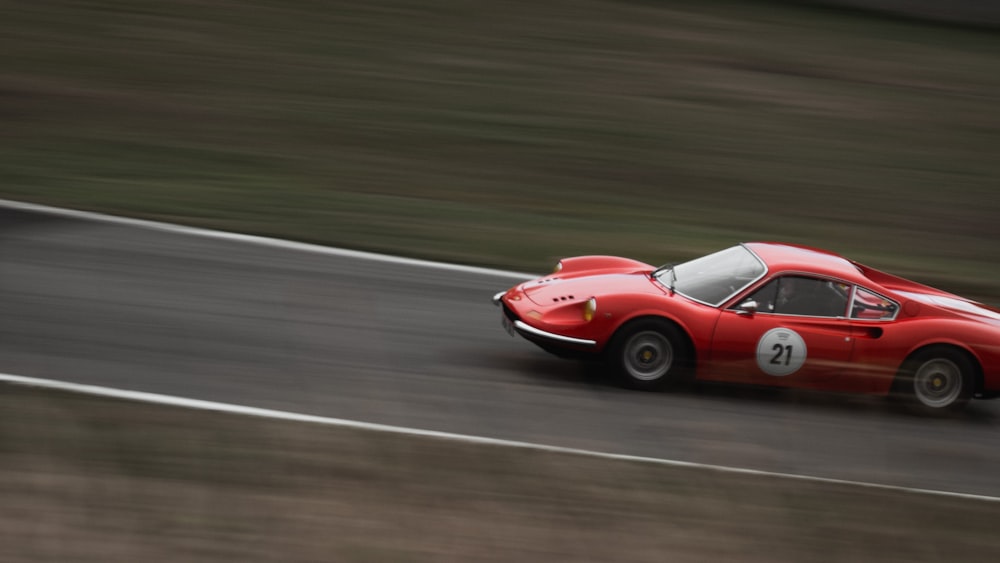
(668, 267)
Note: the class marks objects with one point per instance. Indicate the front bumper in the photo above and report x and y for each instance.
(512, 322)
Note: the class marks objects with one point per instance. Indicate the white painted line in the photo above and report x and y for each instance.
(262, 241)
(155, 398)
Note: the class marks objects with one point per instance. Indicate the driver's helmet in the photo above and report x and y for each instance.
(787, 288)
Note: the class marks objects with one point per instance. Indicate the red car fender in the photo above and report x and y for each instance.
(888, 353)
(696, 324)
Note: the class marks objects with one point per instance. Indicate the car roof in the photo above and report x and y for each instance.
(785, 257)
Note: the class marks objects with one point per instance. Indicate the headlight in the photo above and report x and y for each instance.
(589, 308)
(558, 267)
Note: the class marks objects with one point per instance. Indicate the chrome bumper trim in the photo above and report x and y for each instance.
(498, 297)
(559, 338)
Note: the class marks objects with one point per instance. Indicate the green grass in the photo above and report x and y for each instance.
(88, 479)
(516, 133)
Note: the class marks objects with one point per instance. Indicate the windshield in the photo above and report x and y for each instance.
(714, 278)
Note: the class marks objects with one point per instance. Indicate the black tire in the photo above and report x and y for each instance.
(938, 380)
(650, 354)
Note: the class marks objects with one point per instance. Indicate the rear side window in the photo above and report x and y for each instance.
(868, 305)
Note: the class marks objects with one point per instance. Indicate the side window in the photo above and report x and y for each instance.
(872, 306)
(801, 295)
(764, 297)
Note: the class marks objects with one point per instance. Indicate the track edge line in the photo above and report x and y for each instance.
(229, 408)
(258, 240)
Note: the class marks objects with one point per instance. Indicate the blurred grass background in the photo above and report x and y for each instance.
(86, 479)
(513, 133)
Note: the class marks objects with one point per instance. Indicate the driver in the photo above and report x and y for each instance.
(797, 296)
(788, 293)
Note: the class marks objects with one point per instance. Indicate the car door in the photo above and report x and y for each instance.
(791, 332)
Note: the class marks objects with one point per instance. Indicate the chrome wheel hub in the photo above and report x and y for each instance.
(938, 382)
(648, 356)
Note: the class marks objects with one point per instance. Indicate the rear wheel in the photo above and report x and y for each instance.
(650, 354)
(937, 380)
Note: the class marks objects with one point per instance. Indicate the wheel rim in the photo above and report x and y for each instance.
(648, 356)
(938, 382)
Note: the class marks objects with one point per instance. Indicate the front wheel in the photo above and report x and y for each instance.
(937, 380)
(650, 354)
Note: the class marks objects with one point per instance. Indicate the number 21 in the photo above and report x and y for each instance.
(786, 350)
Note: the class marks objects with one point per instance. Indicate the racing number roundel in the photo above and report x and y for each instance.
(781, 351)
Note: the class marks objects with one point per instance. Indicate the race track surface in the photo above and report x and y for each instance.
(415, 346)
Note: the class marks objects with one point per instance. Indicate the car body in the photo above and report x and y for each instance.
(764, 313)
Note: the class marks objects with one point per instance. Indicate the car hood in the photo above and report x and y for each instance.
(557, 291)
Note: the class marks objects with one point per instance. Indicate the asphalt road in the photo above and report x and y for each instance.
(415, 346)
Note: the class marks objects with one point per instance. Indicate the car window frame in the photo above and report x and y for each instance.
(895, 313)
(844, 315)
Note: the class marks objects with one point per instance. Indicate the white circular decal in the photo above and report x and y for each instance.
(781, 351)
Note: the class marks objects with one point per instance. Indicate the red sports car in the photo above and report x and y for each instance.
(765, 313)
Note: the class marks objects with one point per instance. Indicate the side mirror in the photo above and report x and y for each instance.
(747, 307)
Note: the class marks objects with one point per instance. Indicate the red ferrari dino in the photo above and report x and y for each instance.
(764, 313)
